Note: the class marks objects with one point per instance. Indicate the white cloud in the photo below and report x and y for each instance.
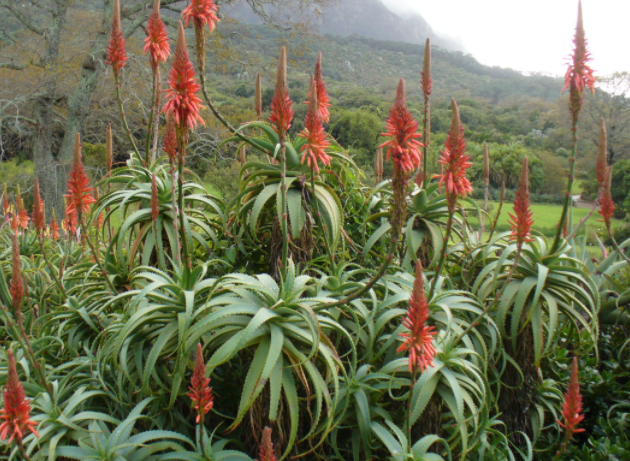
(530, 35)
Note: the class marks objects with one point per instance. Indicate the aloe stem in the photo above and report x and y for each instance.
(177, 250)
(86, 235)
(320, 221)
(447, 237)
(283, 205)
(567, 198)
(152, 120)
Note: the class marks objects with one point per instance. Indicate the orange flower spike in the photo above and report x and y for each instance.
(313, 151)
(572, 405)
(602, 156)
(455, 161)
(522, 219)
(427, 82)
(54, 227)
(281, 111)
(182, 100)
(323, 101)
(156, 42)
(419, 340)
(116, 53)
(267, 452)
(200, 393)
(404, 147)
(170, 140)
(202, 12)
(79, 197)
(607, 206)
(38, 210)
(16, 414)
(579, 75)
(155, 203)
(16, 286)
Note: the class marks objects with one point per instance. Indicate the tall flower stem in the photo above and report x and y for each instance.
(283, 205)
(321, 223)
(180, 193)
(177, 253)
(86, 237)
(409, 425)
(52, 269)
(123, 117)
(567, 198)
(153, 120)
(447, 237)
(496, 217)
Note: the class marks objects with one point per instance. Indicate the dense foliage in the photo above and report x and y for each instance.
(310, 312)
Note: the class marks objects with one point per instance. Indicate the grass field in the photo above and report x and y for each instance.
(546, 217)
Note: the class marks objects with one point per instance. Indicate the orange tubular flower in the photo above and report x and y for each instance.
(281, 111)
(404, 148)
(79, 197)
(170, 140)
(316, 142)
(602, 156)
(455, 160)
(202, 12)
(572, 406)
(521, 221)
(323, 101)
(183, 103)
(419, 340)
(38, 210)
(156, 43)
(607, 206)
(155, 203)
(116, 54)
(200, 393)
(267, 452)
(579, 75)
(54, 227)
(15, 415)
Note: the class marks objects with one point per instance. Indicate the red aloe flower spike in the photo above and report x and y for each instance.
(16, 286)
(79, 197)
(427, 82)
(313, 151)
(156, 42)
(155, 203)
(404, 147)
(202, 12)
(258, 97)
(38, 210)
(579, 75)
(183, 102)
(116, 54)
(419, 340)
(456, 161)
(323, 101)
(15, 415)
(521, 221)
(267, 452)
(572, 406)
(170, 140)
(607, 206)
(200, 393)
(54, 226)
(109, 150)
(281, 112)
(602, 156)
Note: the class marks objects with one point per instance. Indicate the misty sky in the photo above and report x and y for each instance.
(530, 35)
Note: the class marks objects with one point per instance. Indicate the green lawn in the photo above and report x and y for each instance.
(546, 217)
